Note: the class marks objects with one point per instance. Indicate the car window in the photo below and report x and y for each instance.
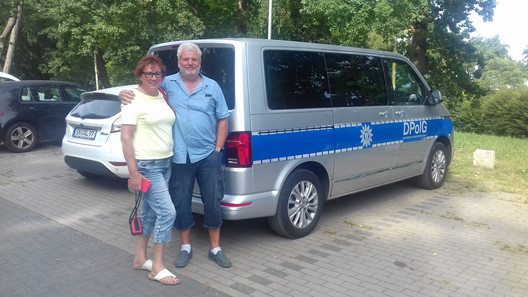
(73, 93)
(97, 106)
(25, 95)
(41, 94)
(295, 79)
(406, 87)
(356, 80)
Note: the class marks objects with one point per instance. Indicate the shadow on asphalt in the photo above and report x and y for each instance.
(259, 227)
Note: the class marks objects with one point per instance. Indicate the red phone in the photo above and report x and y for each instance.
(145, 185)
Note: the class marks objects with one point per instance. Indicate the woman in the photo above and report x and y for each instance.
(146, 136)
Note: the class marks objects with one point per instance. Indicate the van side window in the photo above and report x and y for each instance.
(407, 89)
(295, 79)
(356, 80)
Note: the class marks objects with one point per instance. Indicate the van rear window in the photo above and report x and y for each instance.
(218, 63)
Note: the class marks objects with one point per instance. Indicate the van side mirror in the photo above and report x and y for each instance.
(435, 97)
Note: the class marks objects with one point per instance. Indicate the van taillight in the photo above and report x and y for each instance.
(238, 149)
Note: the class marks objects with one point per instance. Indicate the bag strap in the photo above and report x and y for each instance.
(133, 214)
(166, 98)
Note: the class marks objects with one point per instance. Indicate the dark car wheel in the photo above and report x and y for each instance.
(436, 168)
(300, 205)
(21, 137)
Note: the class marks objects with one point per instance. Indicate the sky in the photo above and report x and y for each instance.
(510, 21)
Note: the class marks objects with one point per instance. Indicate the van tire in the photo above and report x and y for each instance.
(300, 205)
(21, 137)
(436, 168)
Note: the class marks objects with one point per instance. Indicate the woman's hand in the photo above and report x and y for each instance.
(136, 181)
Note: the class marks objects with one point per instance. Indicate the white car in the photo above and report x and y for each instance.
(7, 77)
(92, 142)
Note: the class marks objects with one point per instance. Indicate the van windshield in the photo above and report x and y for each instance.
(218, 63)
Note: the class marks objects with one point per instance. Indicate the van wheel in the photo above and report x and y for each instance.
(300, 205)
(436, 168)
(21, 137)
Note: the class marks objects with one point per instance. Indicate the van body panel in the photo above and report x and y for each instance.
(364, 152)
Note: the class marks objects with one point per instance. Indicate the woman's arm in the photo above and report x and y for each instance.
(127, 136)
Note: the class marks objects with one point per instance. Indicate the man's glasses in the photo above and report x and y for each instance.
(150, 74)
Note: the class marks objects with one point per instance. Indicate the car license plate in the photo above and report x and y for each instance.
(84, 133)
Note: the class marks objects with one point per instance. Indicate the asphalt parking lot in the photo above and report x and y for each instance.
(64, 235)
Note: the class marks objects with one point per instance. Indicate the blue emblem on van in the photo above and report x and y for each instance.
(366, 135)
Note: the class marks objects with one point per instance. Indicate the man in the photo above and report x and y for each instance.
(200, 132)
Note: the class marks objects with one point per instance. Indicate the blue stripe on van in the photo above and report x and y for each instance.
(277, 146)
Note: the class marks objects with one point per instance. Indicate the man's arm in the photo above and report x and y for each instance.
(126, 96)
(221, 133)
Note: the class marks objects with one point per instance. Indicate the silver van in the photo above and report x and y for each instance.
(314, 122)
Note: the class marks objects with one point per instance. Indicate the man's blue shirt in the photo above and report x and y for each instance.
(194, 130)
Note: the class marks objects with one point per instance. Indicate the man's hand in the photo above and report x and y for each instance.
(126, 96)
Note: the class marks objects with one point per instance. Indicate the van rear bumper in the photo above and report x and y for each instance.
(240, 207)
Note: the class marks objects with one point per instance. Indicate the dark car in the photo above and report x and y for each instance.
(34, 111)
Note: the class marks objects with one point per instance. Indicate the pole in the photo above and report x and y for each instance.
(269, 18)
(96, 73)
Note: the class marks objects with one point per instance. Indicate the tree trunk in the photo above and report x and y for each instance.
(7, 30)
(101, 66)
(12, 40)
(419, 46)
(241, 20)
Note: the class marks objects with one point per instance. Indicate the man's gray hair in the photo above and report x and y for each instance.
(188, 46)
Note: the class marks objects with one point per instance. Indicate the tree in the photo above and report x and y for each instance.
(445, 18)
(525, 56)
(7, 31)
(496, 69)
(14, 29)
(114, 34)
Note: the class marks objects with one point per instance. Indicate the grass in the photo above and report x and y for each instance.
(511, 163)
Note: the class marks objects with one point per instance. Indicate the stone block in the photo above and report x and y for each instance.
(484, 158)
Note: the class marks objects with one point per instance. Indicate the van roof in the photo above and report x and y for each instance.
(278, 43)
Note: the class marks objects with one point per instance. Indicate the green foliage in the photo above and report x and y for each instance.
(467, 116)
(450, 68)
(62, 37)
(348, 22)
(495, 68)
(503, 113)
(501, 72)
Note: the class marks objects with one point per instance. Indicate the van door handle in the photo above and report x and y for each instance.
(401, 113)
(384, 114)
